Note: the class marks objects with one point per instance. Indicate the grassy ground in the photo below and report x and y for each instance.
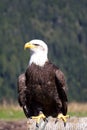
(11, 112)
(14, 112)
(77, 109)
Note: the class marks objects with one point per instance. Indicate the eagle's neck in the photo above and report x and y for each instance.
(38, 59)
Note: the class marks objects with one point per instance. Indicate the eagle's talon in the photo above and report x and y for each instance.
(40, 116)
(30, 117)
(46, 120)
(64, 118)
(56, 121)
(64, 123)
(37, 125)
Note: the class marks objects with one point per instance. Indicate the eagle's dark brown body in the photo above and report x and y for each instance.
(42, 89)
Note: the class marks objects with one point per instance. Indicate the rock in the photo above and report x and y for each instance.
(74, 123)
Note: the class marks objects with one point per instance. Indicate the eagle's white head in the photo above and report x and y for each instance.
(38, 51)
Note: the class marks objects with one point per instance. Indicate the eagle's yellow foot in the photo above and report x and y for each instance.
(40, 116)
(64, 118)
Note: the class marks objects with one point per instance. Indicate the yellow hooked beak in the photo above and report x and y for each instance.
(29, 45)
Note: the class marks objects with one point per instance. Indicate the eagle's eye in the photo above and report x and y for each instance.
(36, 44)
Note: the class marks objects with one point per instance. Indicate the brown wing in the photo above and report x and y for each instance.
(21, 89)
(22, 93)
(61, 87)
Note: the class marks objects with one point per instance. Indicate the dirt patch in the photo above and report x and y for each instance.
(13, 125)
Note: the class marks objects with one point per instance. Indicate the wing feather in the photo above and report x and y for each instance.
(22, 89)
(22, 93)
(61, 88)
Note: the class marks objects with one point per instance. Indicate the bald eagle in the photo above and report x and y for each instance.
(42, 88)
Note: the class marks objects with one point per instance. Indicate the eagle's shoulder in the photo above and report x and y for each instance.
(21, 82)
(61, 77)
(59, 74)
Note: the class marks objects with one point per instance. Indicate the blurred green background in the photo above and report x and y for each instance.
(62, 24)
